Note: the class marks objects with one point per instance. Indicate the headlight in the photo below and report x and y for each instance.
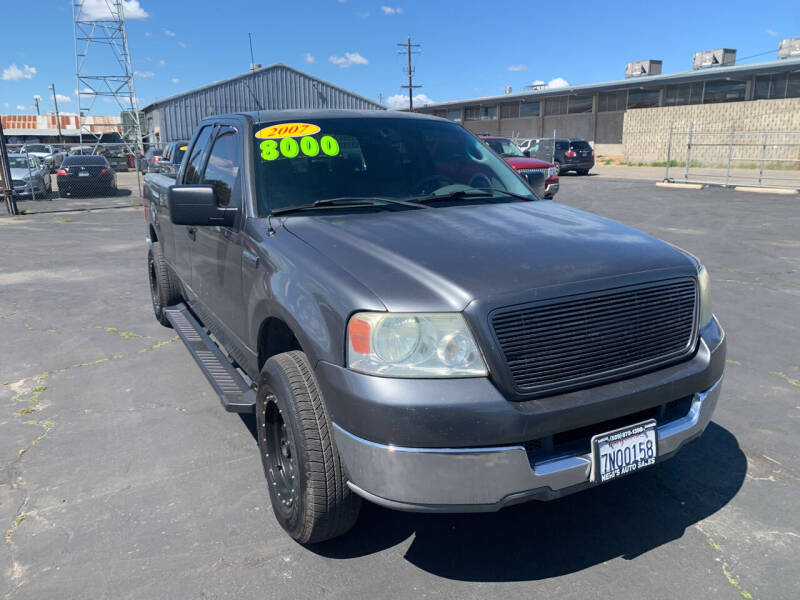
(551, 172)
(413, 345)
(704, 283)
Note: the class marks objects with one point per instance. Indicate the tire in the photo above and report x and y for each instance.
(164, 290)
(305, 476)
(582, 171)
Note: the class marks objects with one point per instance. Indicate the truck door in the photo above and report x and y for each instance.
(184, 236)
(217, 257)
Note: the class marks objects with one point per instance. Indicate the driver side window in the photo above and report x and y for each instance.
(222, 169)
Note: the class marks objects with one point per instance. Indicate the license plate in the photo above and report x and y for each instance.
(622, 451)
(83, 174)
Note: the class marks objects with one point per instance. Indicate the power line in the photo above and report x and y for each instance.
(411, 87)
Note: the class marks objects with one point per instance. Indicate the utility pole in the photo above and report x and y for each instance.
(380, 97)
(7, 185)
(252, 59)
(58, 117)
(36, 99)
(411, 87)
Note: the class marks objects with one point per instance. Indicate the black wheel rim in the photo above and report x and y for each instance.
(154, 295)
(279, 459)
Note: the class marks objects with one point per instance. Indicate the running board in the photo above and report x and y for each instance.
(234, 392)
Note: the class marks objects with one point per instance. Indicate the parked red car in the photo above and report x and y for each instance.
(509, 151)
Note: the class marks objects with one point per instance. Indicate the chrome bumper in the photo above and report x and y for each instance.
(486, 479)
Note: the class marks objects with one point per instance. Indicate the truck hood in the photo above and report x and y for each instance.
(441, 259)
(527, 163)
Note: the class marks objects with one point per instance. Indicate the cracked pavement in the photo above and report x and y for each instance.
(122, 477)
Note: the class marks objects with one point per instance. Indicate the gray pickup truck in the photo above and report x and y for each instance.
(410, 325)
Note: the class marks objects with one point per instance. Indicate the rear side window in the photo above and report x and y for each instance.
(561, 145)
(85, 160)
(222, 170)
(580, 146)
(196, 159)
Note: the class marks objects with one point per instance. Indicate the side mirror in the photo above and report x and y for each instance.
(197, 205)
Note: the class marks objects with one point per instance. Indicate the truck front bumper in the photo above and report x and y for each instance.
(487, 479)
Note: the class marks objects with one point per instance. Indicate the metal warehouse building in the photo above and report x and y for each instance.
(763, 96)
(273, 87)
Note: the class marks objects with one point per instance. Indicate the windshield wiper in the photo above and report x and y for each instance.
(483, 192)
(345, 201)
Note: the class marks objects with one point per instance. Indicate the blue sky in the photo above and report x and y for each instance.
(469, 48)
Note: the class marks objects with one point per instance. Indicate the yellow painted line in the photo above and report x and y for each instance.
(680, 186)
(758, 190)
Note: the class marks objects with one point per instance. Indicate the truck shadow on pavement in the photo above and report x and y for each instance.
(539, 540)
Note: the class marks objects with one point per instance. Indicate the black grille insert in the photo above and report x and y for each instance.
(567, 342)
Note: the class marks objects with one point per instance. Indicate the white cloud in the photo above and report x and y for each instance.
(100, 9)
(553, 83)
(20, 107)
(147, 34)
(62, 98)
(309, 58)
(169, 32)
(5, 104)
(174, 80)
(518, 68)
(771, 32)
(182, 44)
(349, 58)
(388, 10)
(144, 74)
(162, 62)
(362, 15)
(37, 97)
(401, 100)
(14, 73)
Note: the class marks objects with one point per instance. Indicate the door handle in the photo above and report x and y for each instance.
(250, 259)
(192, 232)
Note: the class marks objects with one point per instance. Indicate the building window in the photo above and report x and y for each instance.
(686, 93)
(529, 109)
(580, 104)
(509, 111)
(640, 98)
(555, 106)
(472, 113)
(724, 90)
(454, 114)
(778, 85)
(611, 101)
(480, 113)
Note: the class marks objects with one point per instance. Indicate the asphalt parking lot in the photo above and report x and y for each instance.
(122, 477)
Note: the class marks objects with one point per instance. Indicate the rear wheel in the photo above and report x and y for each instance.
(163, 288)
(582, 171)
(305, 475)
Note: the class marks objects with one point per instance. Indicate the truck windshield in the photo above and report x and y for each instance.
(504, 148)
(391, 157)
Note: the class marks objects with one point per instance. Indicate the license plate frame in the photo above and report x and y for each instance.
(607, 466)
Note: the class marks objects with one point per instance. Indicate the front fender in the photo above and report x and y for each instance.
(310, 293)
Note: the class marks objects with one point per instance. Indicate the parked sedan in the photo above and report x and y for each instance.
(29, 177)
(509, 152)
(90, 174)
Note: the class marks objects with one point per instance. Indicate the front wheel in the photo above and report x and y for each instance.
(305, 475)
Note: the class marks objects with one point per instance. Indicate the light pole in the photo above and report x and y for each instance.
(36, 99)
(58, 118)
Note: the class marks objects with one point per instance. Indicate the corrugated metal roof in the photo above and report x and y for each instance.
(643, 81)
(274, 87)
(253, 73)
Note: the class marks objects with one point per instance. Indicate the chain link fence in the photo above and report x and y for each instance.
(101, 172)
(734, 158)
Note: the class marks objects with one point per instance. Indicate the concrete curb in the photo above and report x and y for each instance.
(759, 190)
(680, 186)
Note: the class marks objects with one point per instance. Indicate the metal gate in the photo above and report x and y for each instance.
(734, 158)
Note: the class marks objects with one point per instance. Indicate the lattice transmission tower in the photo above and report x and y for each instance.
(103, 70)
